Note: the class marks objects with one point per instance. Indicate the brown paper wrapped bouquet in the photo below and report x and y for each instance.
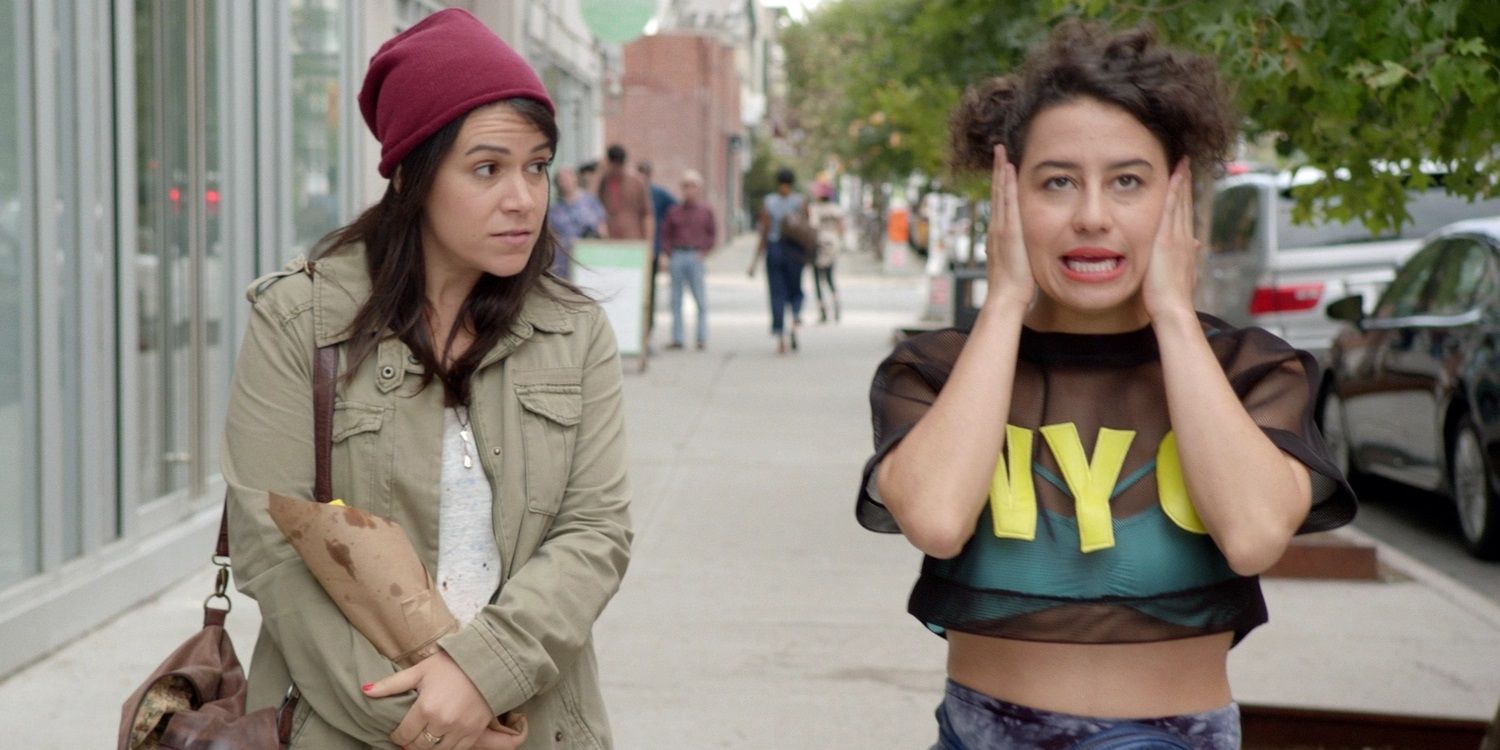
(368, 567)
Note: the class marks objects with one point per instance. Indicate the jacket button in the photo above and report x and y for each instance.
(387, 372)
(557, 737)
(495, 451)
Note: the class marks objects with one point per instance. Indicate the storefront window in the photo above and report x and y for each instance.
(163, 260)
(316, 184)
(18, 495)
(220, 288)
(69, 198)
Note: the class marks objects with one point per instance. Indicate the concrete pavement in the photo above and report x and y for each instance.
(757, 614)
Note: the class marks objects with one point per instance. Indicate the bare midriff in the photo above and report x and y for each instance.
(1116, 680)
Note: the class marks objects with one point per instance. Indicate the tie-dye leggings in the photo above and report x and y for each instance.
(969, 720)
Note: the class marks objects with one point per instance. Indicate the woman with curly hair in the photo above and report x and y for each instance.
(1096, 472)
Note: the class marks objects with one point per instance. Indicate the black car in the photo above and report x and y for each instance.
(1413, 389)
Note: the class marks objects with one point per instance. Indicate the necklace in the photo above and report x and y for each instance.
(465, 433)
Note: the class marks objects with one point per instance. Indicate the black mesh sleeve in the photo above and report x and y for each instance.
(904, 387)
(1278, 386)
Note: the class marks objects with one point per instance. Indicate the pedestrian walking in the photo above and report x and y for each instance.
(626, 198)
(690, 232)
(661, 201)
(574, 215)
(784, 259)
(477, 406)
(828, 218)
(1091, 598)
(629, 216)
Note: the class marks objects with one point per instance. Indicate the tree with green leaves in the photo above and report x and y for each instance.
(1376, 88)
(1370, 90)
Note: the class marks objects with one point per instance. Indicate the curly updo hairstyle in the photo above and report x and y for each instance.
(1177, 95)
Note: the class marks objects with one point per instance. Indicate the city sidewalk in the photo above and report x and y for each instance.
(757, 614)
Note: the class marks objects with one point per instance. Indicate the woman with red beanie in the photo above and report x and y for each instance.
(477, 406)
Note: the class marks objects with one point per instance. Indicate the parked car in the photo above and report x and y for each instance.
(1412, 392)
(1261, 269)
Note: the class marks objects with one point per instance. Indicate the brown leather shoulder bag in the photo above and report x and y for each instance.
(195, 700)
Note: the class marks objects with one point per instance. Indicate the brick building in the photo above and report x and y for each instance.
(679, 107)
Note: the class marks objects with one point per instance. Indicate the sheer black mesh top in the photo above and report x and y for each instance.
(1088, 535)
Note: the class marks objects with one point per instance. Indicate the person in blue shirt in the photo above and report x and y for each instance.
(784, 259)
(575, 215)
(661, 202)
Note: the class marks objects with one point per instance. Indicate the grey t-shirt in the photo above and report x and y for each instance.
(779, 207)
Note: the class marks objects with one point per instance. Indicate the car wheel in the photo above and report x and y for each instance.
(1336, 434)
(1474, 493)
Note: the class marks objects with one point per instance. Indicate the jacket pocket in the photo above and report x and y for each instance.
(362, 453)
(552, 406)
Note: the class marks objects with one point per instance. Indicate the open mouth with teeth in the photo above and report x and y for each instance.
(1093, 265)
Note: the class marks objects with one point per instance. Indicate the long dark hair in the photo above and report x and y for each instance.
(391, 232)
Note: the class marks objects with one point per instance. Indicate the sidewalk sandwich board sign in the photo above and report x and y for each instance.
(615, 274)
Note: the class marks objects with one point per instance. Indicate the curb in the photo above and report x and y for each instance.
(1461, 595)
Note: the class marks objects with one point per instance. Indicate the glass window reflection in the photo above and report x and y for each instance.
(163, 262)
(316, 183)
(18, 497)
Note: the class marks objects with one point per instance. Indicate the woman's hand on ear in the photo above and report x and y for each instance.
(1007, 267)
(1172, 271)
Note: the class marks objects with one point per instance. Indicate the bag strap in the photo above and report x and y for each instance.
(326, 366)
(325, 375)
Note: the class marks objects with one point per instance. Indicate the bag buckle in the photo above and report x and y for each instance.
(285, 713)
(221, 586)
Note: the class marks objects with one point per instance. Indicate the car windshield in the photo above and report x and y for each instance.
(1428, 211)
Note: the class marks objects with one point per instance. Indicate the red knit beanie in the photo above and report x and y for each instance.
(434, 72)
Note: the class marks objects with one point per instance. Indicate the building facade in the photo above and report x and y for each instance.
(679, 108)
(156, 156)
(574, 66)
(697, 93)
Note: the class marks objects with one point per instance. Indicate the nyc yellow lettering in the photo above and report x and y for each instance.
(1012, 494)
(1171, 487)
(1092, 482)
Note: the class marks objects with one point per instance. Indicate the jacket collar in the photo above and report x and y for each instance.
(341, 286)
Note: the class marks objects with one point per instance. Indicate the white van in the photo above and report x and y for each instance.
(1260, 269)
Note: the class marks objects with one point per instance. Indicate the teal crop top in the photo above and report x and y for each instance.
(1055, 557)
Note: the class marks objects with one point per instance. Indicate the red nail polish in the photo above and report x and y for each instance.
(367, 687)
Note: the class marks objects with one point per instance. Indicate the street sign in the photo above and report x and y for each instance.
(615, 273)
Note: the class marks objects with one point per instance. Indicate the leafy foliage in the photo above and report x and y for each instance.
(873, 81)
(1370, 90)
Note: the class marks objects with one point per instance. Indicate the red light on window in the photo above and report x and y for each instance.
(174, 195)
(1291, 298)
(211, 197)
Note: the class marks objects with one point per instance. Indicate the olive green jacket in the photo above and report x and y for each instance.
(548, 423)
